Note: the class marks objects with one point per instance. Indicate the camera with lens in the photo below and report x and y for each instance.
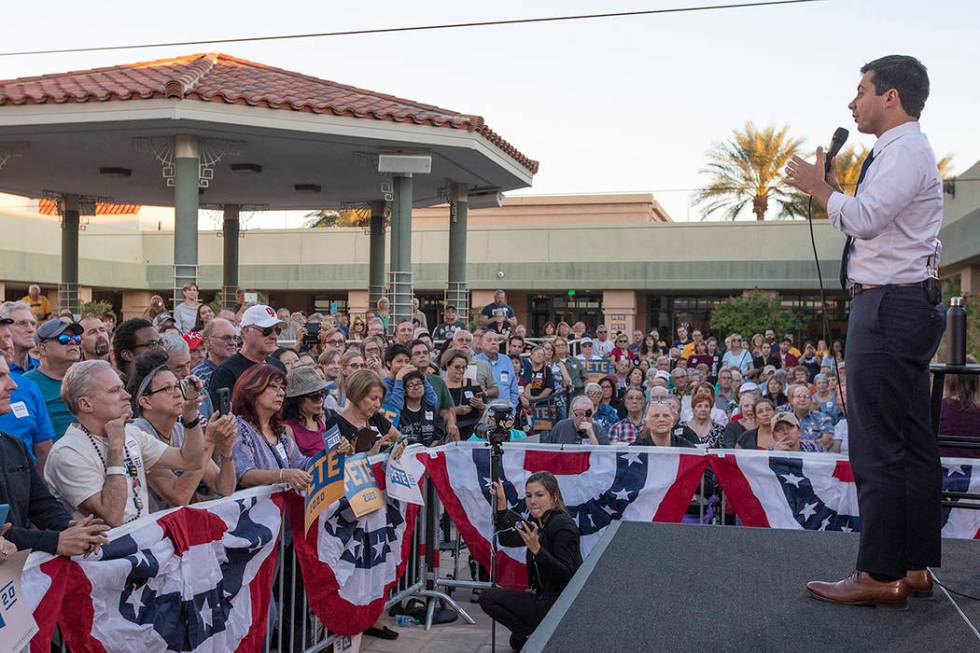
(495, 428)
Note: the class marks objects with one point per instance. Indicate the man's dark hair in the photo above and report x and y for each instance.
(906, 75)
(395, 350)
(414, 374)
(513, 338)
(124, 338)
(418, 341)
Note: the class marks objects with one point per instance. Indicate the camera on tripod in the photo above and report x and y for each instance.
(495, 427)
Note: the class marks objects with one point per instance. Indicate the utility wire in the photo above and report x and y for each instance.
(415, 28)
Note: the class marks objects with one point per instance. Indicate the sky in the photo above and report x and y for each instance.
(610, 105)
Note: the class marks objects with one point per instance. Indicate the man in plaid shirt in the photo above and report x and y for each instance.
(627, 430)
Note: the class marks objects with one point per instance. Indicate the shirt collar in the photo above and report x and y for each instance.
(895, 133)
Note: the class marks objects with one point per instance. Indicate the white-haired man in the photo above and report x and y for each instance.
(99, 466)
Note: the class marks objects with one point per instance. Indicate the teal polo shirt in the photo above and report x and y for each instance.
(50, 388)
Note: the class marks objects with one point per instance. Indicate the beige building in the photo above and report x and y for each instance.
(615, 258)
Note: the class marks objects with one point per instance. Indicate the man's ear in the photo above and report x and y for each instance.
(85, 405)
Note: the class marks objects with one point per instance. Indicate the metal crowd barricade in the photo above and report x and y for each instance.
(419, 580)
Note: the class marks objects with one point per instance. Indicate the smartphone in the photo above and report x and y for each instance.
(364, 440)
(4, 511)
(224, 401)
(188, 389)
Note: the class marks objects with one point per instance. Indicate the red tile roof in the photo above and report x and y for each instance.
(216, 77)
(50, 207)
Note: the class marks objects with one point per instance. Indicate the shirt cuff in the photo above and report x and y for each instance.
(835, 209)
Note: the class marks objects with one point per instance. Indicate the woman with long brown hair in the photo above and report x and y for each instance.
(553, 555)
(264, 453)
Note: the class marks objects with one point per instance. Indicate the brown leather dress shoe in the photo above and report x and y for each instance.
(861, 589)
(920, 583)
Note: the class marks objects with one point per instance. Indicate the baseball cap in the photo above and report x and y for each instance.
(260, 315)
(193, 340)
(769, 369)
(54, 328)
(748, 386)
(661, 374)
(4, 321)
(585, 341)
(787, 417)
(163, 317)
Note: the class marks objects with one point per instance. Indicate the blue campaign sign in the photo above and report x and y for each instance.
(361, 487)
(595, 370)
(327, 484)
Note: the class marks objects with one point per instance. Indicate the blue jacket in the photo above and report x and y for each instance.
(395, 398)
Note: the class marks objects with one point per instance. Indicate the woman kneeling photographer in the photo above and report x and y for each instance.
(553, 555)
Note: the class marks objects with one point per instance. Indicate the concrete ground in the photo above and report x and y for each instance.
(456, 637)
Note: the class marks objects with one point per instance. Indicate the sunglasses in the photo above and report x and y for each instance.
(68, 340)
(579, 413)
(314, 396)
(268, 331)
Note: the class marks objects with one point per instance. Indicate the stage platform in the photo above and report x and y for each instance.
(674, 587)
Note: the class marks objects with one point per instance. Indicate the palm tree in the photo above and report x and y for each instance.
(358, 217)
(748, 168)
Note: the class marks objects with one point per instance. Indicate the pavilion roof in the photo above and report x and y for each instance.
(218, 77)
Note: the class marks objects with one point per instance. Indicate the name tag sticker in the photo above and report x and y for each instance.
(19, 409)
(504, 378)
(281, 450)
(429, 415)
(467, 394)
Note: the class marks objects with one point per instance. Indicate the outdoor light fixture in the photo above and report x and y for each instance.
(486, 200)
(307, 188)
(246, 168)
(120, 173)
(405, 164)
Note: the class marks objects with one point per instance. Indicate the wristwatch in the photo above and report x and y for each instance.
(115, 470)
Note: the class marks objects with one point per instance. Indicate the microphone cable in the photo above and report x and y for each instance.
(823, 307)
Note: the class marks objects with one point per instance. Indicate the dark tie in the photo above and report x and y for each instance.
(846, 255)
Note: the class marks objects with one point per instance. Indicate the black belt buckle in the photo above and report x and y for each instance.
(934, 291)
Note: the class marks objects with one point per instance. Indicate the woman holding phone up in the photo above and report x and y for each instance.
(553, 555)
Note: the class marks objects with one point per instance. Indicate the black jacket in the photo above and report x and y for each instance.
(550, 569)
(30, 501)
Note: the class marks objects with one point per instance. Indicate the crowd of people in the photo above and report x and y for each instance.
(104, 423)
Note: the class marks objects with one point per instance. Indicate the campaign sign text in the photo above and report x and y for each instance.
(360, 486)
(595, 370)
(327, 484)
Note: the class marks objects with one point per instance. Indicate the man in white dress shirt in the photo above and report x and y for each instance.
(895, 324)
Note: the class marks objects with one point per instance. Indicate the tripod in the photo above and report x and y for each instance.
(496, 473)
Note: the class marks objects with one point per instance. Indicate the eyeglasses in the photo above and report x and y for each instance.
(226, 339)
(67, 340)
(172, 388)
(414, 386)
(153, 344)
(268, 331)
(275, 387)
(26, 323)
(581, 414)
(337, 342)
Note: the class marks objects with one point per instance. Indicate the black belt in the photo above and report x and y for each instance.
(857, 288)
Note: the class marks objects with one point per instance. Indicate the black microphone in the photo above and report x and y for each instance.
(837, 142)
